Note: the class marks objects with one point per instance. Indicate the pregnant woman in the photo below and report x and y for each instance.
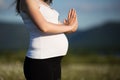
(48, 43)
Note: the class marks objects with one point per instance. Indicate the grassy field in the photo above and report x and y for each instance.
(74, 67)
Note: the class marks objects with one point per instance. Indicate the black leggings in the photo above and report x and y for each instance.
(42, 69)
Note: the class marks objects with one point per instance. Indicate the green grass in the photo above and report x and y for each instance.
(11, 71)
(91, 72)
(74, 67)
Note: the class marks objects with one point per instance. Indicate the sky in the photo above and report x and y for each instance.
(89, 12)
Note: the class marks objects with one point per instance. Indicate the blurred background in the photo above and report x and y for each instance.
(94, 50)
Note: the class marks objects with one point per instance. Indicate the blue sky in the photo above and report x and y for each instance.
(89, 12)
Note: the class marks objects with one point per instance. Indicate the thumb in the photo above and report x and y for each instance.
(65, 21)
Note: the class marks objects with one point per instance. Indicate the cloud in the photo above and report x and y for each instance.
(98, 7)
(91, 6)
(2, 4)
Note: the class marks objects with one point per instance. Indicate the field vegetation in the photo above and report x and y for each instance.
(74, 66)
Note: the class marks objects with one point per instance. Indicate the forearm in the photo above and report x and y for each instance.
(55, 28)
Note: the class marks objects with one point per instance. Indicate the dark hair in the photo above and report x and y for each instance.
(18, 4)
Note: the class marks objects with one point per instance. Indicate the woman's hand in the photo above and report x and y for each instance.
(72, 20)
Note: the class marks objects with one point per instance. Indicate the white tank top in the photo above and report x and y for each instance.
(43, 45)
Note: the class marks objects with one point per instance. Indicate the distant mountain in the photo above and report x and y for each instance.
(13, 36)
(106, 36)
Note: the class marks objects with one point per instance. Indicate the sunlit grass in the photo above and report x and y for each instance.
(91, 72)
(11, 71)
(74, 67)
(14, 71)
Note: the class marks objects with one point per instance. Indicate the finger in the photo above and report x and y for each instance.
(65, 21)
(72, 14)
(70, 17)
(72, 21)
(75, 14)
(75, 18)
(69, 14)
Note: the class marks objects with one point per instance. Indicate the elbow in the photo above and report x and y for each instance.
(44, 28)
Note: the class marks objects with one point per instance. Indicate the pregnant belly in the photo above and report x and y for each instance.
(50, 44)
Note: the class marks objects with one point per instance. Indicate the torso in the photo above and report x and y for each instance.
(43, 45)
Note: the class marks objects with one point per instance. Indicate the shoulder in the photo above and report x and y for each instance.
(32, 3)
(27, 4)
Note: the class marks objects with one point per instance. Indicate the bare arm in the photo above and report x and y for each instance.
(41, 23)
